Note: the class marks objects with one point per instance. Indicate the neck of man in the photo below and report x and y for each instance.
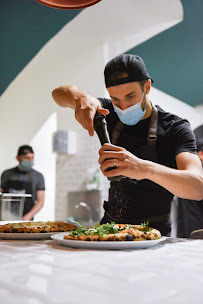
(148, 108)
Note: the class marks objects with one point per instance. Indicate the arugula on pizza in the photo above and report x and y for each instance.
(114, 232)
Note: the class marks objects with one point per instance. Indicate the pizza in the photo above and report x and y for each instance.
(114, 232)
(37, 227)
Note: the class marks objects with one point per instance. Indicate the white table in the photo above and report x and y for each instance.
(43, 272)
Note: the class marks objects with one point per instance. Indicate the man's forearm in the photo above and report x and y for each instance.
(182, 183)
(28, 216)
(67, 96)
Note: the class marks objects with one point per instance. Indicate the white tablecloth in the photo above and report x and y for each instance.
(42, 272)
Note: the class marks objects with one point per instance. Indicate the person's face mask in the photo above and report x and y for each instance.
(26, 165)
(132, 115)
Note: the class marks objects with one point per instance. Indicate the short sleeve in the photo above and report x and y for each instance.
(184, 138)
(40, 182)
(4, 178)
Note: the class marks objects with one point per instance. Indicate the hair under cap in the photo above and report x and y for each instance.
(23, 150)
(133, 65)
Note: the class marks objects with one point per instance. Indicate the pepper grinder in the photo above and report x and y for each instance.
(100, 126)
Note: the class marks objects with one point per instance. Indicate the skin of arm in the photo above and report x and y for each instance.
(85, 106)
(39, 204)
(186, 181)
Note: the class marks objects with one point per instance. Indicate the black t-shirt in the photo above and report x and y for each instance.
(14, 175)
(141, 199)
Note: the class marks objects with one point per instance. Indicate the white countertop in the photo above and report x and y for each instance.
(43, 272)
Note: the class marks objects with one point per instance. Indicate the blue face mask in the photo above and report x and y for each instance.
(132, 115)
(26, 165)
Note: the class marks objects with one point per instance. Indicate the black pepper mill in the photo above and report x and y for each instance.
(100, 126)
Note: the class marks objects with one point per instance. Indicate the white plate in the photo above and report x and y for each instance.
(27, 236)
(107, 244)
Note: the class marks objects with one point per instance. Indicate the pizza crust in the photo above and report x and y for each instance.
(37, 227)
(128, 234)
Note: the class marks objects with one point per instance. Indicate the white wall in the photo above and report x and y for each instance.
(199, 110)
(45, 161)
(178, 107)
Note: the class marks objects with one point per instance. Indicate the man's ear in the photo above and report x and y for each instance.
(18, 158)
(147, 86)
(200, 154)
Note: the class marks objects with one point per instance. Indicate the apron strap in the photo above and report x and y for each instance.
(116, 132)
(30, 176)
(152, 133)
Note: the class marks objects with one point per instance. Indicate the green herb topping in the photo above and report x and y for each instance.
(144, 227)
(98, 229)
(109, 228)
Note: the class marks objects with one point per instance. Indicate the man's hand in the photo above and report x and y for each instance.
(126, 163)
(185, 182)
(85, 110)
(27, 217)
(85, 105)
(38, 205)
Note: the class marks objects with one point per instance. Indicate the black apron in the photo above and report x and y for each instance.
(134, 201)
(25, 187)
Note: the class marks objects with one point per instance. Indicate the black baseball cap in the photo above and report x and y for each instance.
(23, 150)
(133, 65)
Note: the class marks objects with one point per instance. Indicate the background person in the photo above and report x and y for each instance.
(24, 179)
(153, 150)
(190, 212)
